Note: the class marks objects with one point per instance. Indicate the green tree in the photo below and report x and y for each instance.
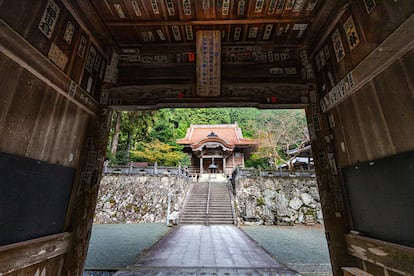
(276, 130)
(280, 131)
(157, 151)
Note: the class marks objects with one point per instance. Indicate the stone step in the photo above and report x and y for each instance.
(192, 218)
(221, 221)
(196, 209)
(221, 217)
(193, 214)
(194, 222)
(220, 208)
(139, 270)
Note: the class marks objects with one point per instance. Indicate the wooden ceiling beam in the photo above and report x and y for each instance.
(270, 44)
(156, 96)
(117, 23)
(326, 12)
(91, 23)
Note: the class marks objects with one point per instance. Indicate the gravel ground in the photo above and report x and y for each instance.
(115, 246)
(302, 248)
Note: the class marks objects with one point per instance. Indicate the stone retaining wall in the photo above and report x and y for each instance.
(277, 200)
(139, 198)
(259, 200)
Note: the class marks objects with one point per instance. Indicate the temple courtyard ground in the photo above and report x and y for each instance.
(118, 246)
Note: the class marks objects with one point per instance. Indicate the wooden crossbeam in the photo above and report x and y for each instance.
(303, 20)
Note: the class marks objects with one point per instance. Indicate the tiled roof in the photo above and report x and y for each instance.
(230, 134)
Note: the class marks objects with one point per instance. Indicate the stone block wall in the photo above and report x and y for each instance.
(277, 200)
(139, 198)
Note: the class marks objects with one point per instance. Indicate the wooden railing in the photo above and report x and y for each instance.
(272, 173)
(144, 170)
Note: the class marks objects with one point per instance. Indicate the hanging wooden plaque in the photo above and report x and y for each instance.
(208, 63)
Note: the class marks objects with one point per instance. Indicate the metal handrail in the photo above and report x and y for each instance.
(208, 202)
(233, 211)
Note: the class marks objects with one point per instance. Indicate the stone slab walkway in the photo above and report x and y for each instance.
(206, 250)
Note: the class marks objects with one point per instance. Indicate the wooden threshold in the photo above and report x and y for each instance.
(19, 255)
(394, 257)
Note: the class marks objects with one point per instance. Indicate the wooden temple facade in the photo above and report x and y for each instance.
(216, 148)
(66, 65)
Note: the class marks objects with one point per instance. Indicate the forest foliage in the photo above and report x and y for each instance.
(150, 136)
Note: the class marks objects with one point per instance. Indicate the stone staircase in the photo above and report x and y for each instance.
(212, 177)
(219, 207)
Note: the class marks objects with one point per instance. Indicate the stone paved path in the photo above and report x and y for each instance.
(206, 250)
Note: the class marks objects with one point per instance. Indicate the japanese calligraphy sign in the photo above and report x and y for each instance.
(69, 31)
(91, 59)
(82, 46)
(351, 33)
(57, 56)
(272, 7)
(338, 46)
(48, 22)
(226, 7)
(208, 63)
(241, 7)
(370, 5)
(136, 8)
(259, 6)
(187, 7)
(170, 7)
(154, 6)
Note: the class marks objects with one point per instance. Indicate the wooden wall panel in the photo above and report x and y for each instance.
(39, 137)
(377, 119)
(24, 17)
(21, 118)
(20, 15)
(407, 64)
(398, 105)
(9, 78)
(372, 29)
(36, 122)
(374, 131)
(352, 132)
(338, 134)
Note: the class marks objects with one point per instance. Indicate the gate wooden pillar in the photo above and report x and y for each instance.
(336, 217)
(85, 192)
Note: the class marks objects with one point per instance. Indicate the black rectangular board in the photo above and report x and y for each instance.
(34, 198)
(381, 198)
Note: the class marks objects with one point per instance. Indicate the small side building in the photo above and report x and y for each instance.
(216, 148)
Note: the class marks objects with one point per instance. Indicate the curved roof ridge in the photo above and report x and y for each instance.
(228, 133)
(213, 139)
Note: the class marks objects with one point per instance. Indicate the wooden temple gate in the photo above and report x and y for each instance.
(66, 65)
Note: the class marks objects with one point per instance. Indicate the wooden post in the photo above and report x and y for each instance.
(85, 193)
(335, 214)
